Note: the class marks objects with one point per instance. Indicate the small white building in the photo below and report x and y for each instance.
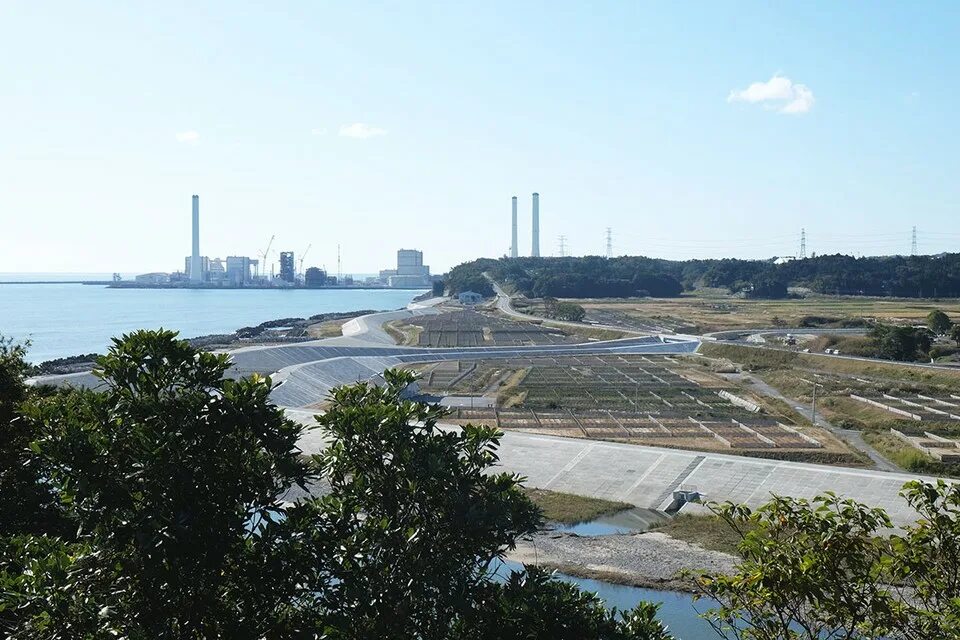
(470, 297)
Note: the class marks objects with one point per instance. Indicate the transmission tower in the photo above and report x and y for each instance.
(609, 243)
(913, 242)
(563, 245)
(803, 244)
(339, 271)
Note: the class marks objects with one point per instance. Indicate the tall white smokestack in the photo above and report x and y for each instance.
(513, 237)
(196, 267)
(535, 249)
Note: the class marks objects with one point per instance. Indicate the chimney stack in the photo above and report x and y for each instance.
(535, 249)
(196, 267)
(513, 236)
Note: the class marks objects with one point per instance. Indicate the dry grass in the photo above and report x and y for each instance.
(715, 311)
(571, 509)
(402, 333)
(328, 329)
(759, 359)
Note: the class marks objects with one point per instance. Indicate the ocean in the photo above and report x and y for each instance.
(71, 319)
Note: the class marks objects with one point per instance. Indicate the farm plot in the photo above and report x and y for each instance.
(630, 398)
(916, 407)
(473, 329)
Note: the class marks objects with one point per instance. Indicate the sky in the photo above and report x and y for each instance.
(699, 129)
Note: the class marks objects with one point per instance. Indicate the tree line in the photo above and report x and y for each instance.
(628, 276)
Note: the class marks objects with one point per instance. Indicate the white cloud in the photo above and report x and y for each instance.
(318, 132)
(779, 93)
(361, 130)
(187, 136)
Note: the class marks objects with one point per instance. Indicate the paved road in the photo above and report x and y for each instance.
(734, 334)
(505, 306)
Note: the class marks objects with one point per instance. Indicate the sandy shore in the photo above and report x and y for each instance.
(651, 559)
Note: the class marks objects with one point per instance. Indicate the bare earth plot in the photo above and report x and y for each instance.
(471, 328)
(708, 312)
(652, 400)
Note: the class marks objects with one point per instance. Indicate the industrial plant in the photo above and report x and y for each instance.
(233, 272)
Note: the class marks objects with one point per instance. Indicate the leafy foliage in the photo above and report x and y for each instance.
(938, 322)
(530, 601)
(823, 570)
(594, 276)
(26, 504)
(162, 471)
(901, 343)
(563, 310)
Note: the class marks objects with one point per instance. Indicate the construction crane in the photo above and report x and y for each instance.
(302, 256)
(264, 254)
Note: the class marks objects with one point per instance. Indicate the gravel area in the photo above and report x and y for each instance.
(651, 559)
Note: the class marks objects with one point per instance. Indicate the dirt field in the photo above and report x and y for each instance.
(713, 311)
(469, 328)
(655, 400)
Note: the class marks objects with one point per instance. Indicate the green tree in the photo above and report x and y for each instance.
(569, 311)
(955, 334)
(901, 343)
(163, 472)
(27, 505)
(827, 569)
(938, 322)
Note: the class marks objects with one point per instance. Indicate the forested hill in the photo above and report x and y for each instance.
(597, 277)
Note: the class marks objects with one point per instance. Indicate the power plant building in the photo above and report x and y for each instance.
(287, 269)
(203, 271)
(410, 271)
(238, 270)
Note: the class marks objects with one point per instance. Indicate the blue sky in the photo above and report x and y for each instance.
(411, 124)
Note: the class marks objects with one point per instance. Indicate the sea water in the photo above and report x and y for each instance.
(71, 319)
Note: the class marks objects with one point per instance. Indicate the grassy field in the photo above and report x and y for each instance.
(402, 333)
(328, 329)
(571, 509)
(712, 310)
(708, 531)
(757, 359)
(896, 450)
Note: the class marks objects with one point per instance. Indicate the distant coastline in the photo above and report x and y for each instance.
(138, 285)
(215, 287)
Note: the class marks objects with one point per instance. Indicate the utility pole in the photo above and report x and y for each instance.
(563, 245)
(609, 243)
(803, 244)
(813, 407)
(913, 242)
